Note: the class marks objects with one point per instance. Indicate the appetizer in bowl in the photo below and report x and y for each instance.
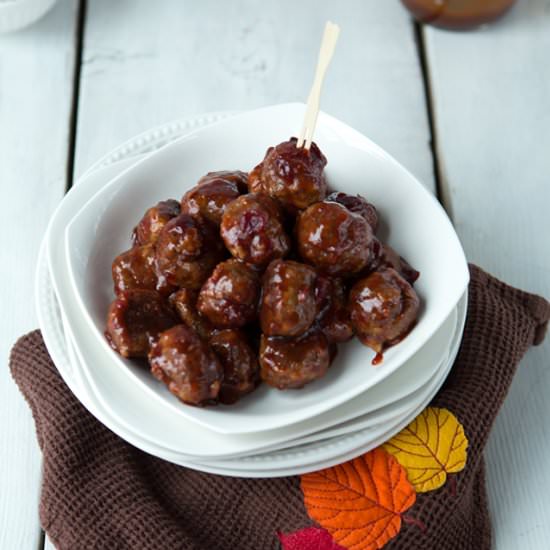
(255, 278)
(190, 281)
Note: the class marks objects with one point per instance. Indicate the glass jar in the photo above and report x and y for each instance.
(457, 14)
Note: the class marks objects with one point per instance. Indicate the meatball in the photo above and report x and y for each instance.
(358, 205)
(334, 239)
(293, 175)
(384, 308)
(187, 365)
(332, 314)
(241, 372)
(384, 255)
(229, 297)
(288, 363)
(187, 250)
(235, 177)
(150, 226)
(288, 305)
(135, 319)
(252, 230)
(184, 301)
(136, 268)
(213, 193)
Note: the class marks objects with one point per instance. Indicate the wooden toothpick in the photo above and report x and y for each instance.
(330, 36)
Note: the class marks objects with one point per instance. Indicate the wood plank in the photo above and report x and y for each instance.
(492, 121)
(148, 62)
(36, 82)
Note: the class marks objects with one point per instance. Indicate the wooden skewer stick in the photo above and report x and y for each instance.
(330, 36)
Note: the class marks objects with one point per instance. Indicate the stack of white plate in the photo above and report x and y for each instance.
(353, 409)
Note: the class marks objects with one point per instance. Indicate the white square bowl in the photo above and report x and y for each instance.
(417, 226)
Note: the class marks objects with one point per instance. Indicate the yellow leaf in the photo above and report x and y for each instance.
(430, 447)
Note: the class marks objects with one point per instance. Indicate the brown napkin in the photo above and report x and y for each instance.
(100, 492)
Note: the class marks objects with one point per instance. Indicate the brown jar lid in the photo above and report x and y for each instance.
(457, 14)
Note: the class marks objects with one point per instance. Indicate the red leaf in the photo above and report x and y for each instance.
(309, 538)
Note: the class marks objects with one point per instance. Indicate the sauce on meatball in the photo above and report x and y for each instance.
(384, 308)
(358, 205)
(241, 372)
(149, 227)
(213, 193)
(288, 306)
(187, 250)
(135, 319)
(229, 297)
(252, 229)
(292, 175)
(291, 363)
(334, 239)
(187, 365)
(184, 302)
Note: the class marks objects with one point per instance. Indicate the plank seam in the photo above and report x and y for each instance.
(73, 117)
(440, 186)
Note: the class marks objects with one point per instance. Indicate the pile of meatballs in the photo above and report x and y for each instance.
(257, 277)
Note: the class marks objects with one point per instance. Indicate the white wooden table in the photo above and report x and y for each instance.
(469, 114)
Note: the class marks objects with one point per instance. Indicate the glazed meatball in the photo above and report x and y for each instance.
(229, 297)
(384, 255)
(135, 319)
(292, 175)
(384, 308)
(291, 363)
(252, 230)
(213, 193)
(136, 268)
(288, 306)
(187, 250)
(235, 177)
(150, 226)
(241, 372)
(332, 314)
(184, 301)
(187, 365)
(358, 205)
(334, 239)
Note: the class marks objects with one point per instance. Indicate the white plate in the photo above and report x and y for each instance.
(410, 377)
(271, 466)
(124, 407)
(50, 323)
(420, 230)
(52, 330)
(133, 410)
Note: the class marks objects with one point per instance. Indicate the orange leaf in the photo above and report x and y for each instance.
(360, 502)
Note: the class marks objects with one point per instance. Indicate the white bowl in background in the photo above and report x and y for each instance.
(16, 14)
